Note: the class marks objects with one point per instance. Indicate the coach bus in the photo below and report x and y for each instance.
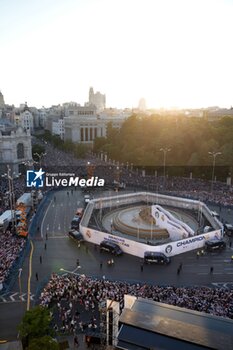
(6, 220)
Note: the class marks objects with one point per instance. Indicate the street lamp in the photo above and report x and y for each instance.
(40, 156)
(164, 150)
(9, 176)
(30, 163)
(105, 157)
(111, 224)
(70, 272)
(214, 154)
(117, 177)
(138, 232)
(20, 285)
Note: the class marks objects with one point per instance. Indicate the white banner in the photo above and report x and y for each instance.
(138, 249)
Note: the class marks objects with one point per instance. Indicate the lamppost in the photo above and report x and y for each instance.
(214, 154)
(30, 163)
(20, 285)
(117, 178)
(40, 156)
(138, 232)
(9, 176)
(90, 170)
(164, 150)
(105, 157)
(70, 272)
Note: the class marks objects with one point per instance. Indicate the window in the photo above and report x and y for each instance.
(20, 151)
(86, 134)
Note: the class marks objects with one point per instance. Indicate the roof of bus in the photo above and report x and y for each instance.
(6, 215)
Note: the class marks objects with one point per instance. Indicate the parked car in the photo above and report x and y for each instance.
(110, 247)
(156, 258)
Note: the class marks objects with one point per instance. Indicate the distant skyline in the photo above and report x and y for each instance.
(173, 53)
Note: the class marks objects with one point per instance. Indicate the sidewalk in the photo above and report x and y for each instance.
(13, 345)
(16, 345)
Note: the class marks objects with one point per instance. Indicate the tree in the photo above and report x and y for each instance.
(99, 143)
(36, 323)
(80, 150)
(68, 146)
(43, 343)
(57, 142)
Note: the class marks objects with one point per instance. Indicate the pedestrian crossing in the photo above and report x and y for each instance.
(228, 285)
(15, 297)
(221, 265)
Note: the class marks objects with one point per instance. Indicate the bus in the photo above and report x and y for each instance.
(6, 220)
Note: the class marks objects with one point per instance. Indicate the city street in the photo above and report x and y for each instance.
(58, 252)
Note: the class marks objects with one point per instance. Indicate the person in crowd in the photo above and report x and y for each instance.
(76, 300)
(12, 247)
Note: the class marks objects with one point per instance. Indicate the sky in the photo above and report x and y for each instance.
(173, 53)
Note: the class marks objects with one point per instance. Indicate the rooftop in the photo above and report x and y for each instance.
(149, 323)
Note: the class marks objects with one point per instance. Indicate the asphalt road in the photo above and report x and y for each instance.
(62, 252)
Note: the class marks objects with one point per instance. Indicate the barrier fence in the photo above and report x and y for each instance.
(137, 248)
(36, 219)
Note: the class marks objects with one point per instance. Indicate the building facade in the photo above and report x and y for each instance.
(2, 102)
(97, 99)
(84, 129)
(58, 128)
(24, 119)
(15, 149)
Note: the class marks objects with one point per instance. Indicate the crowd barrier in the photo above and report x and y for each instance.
(8, 284)
(10, 281)
(138, 248)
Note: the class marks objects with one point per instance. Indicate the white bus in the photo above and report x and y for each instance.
(5, 220)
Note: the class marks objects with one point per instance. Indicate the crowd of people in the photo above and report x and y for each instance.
(18, 189)
(74, 298)
(11, 247)
(198, 189)
(55, 160)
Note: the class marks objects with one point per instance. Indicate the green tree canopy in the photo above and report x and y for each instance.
(140, 139)
(36, 323)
